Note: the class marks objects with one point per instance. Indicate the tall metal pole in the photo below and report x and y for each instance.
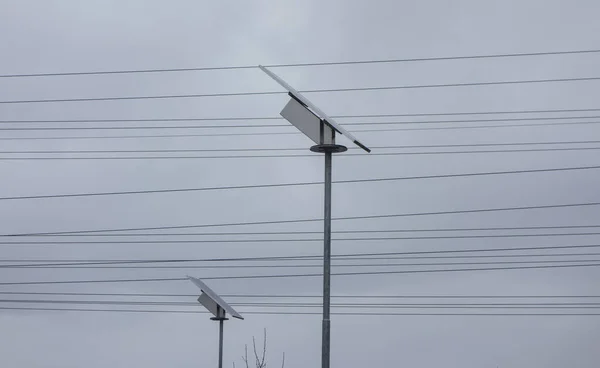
(326, 337)
(221, 323)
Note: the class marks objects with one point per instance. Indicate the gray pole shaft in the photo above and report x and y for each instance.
(326, 337)
(221, 322)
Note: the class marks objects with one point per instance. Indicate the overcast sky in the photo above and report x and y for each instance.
(67, 36)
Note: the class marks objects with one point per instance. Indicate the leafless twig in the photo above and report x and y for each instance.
(260, 359)
(245, 356)
(256, 358)
(264, 354)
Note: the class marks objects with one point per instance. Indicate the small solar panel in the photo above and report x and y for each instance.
(211, 295)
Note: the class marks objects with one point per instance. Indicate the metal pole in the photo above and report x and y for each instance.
(326, 337)
(221, 323)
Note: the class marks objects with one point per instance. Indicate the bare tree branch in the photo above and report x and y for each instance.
(260, 359)
(256, 357)
(245, 356)
(262, 363)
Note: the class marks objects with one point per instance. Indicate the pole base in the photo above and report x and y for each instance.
(333, 148)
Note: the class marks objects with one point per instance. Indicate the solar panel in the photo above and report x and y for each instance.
(209, 295)
(314, 109)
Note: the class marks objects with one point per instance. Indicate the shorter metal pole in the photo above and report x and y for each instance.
(221, 318)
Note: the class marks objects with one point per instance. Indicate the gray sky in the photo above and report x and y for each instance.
(62, 36)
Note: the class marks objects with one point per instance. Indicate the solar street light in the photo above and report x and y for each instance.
(321, 129)
(219, 309)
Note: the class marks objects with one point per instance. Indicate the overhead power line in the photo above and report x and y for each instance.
(354, 305)
(296, 133)
(363, 231)
(563, 314)
(146, 127)
(311, 296)
(234, 118)
(21, 263)
(292, 240)
(487, 126)
(180, 190)
(246, 277)
(279, 156)
(311, 257)
(314, 64)
(465, 121)
(454, 113)
(324, 90)
(245, 126)
(304, 148)
(271, 222)
(494, 305)
(92, 266)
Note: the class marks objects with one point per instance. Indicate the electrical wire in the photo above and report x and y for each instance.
(364, 231)
(223, 126)
(562, 305)
(348, 257)
(299, 265)
(71, 158)
(548, 111)
(454, 113)
(311, 296)
(304, 149)
(295, 240)
(271, 222)
(246, 277)
(350, 62)
(324, 90)
(179, 190)
(298, 133)
(148, 127)
(553, 305)
(378, 314)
